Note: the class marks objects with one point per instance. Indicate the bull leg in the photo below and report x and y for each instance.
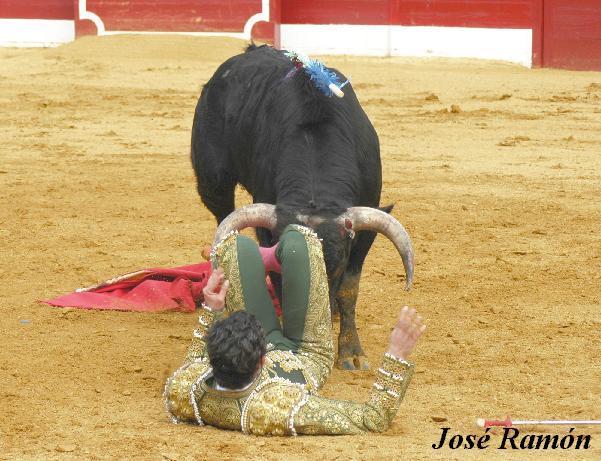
(334, 309)
(350, 352)
(215, 182)
(215, 186)
(218, 198)
(215, 173)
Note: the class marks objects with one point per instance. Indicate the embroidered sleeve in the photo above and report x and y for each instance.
(183, 391)
(319, 415)
(198, 346)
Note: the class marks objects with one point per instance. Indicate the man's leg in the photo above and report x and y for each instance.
(305, 300)
(293, 254)
(240, 258)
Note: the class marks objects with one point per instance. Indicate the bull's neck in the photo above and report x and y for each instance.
(315, 175)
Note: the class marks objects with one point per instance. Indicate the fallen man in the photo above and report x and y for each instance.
(244, 371)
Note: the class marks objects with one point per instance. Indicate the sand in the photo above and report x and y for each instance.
(495, 172)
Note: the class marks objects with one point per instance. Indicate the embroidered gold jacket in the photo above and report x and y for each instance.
(283, 399)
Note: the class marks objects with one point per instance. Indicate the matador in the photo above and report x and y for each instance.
(247, 370)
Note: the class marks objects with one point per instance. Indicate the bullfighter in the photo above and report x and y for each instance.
(245, 370)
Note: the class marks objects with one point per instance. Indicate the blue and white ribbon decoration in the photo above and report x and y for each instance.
(323, 78)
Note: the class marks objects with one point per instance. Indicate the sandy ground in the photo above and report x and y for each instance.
(496, 173)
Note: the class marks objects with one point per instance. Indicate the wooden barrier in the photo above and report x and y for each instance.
(36, 22)
(554, 33)
(244, 19)
(572, 34)
(493, 29)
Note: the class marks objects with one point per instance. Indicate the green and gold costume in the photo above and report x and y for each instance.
(283, 399)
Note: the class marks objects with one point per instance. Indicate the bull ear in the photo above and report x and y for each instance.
(346, 230)
(387, 208)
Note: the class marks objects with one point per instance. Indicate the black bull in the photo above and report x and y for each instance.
(316, 158)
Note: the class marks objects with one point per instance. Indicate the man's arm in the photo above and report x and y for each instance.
(325, 416)
(319, 415)
(196, 366)
(212, 310)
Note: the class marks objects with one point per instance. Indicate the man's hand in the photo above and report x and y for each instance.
(408, 329)
(206, 252)
(215, 290)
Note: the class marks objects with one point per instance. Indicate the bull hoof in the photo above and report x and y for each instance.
(353, 363)
(362, 363)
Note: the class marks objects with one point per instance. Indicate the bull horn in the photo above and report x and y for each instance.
(367, 218)
(256, 215)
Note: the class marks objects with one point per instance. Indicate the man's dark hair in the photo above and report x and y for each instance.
(235, 345)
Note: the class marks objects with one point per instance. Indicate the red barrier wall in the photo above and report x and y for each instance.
(572, 34)
(270, 31)
(566, 33)
(186, 16)
(170, 16)
(36, 9)
(518, 14)
(466, 13)
(368, 12)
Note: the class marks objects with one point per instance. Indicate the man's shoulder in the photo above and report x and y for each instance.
(270, 406)
(185, 380)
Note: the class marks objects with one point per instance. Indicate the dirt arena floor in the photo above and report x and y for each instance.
(495, 171)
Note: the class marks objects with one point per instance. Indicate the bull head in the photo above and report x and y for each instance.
(352, 220)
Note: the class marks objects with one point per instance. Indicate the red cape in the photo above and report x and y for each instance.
(148, 290)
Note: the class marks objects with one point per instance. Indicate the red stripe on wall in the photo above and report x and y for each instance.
(465, 13)
(36, 9)
(367, 12)
(457, 13)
